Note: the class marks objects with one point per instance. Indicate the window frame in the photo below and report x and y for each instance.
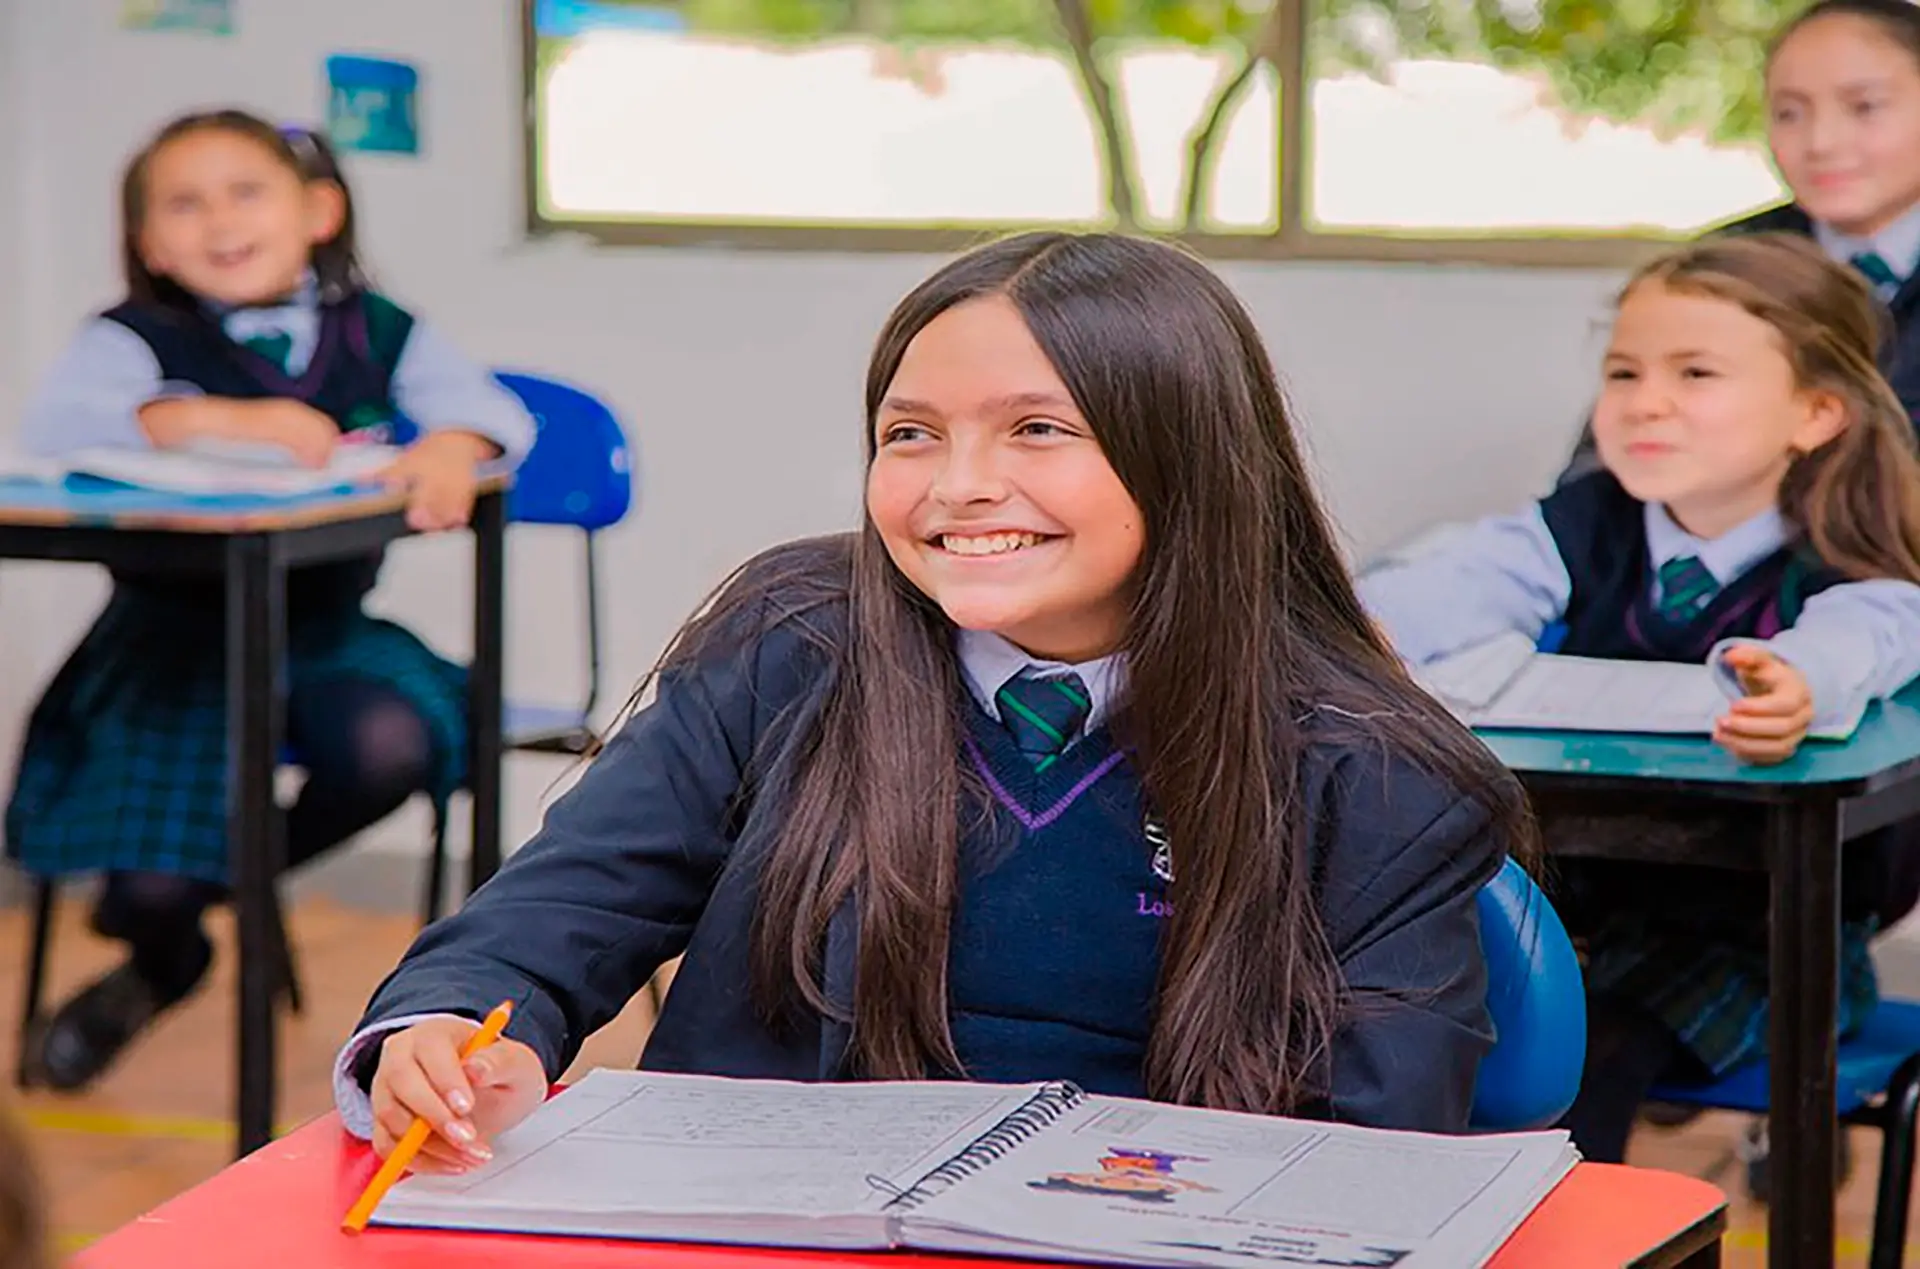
(1293, 240)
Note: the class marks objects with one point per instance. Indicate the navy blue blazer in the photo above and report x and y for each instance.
(654, 853)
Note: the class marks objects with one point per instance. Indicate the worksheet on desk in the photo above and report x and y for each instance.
(1589, 694)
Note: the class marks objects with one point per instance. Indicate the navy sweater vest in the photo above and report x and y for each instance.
(1061, 877)
(1601, 533)
(349, 377)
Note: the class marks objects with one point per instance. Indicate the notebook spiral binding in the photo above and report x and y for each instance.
(1051, 1102)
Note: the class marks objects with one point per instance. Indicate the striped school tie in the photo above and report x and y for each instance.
(1685, 587)
(1044, 715)
(1876, 270)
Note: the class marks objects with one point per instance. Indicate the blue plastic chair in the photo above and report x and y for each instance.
(1539, 1006)
(1878, 1087)
(579, 474)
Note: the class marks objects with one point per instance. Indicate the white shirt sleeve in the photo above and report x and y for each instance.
(1497, 575)
(356, 1108)
(1855, 643)
(92, 394)
(440, 388)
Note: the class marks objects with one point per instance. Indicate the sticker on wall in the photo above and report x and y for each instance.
(373, 105)
(213, 17)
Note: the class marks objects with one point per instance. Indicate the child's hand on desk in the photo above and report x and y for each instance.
(1768, 724)
(420, 1073)
(295, 426)
(307, 434)
(441, 472)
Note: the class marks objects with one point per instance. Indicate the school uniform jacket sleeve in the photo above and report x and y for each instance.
(612, 885)
(1404, 857)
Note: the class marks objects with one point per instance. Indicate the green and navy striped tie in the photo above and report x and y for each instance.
(1685, 587)
(276, 348)
(1875, 269)
(1044, 714)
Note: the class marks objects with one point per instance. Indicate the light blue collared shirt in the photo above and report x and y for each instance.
(93, 393)
(1855, 642)
(1727, 557)
(1898, 244)
(988, 662)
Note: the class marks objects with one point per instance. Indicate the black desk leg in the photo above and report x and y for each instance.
(256, 639)
(485, 708)
(1803, 861)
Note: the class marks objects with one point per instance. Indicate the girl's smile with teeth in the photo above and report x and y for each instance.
(987, 543)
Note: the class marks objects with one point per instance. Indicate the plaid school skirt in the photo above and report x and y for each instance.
(124, 762)
(1688, 945)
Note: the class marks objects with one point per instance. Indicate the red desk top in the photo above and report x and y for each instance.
(280, 1208)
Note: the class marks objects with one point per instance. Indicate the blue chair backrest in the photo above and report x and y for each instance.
(580, 471)
(1538, 1002)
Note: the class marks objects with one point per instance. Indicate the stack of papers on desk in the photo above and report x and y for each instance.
(1504, 683)
(211, 468)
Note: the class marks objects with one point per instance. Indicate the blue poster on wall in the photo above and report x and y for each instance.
(373, 105)
(214, 17)
(570, 19)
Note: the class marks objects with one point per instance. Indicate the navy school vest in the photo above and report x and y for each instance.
(349, 378)
(1601, 533)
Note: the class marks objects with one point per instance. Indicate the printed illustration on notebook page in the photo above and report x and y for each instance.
(1143, 1175)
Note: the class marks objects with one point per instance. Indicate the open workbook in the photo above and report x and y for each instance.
(1042, 1171)
(209, 468)
(1505, 683)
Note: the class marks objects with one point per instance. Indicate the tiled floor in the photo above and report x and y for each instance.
(156, 1124)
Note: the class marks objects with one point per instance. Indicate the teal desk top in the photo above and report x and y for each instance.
(1887, 739)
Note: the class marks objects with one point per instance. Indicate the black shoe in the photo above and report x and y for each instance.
(1670, 1114)
(83, 1037)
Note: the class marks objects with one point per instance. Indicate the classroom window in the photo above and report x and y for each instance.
(1530, 131)
(1430, 119)
(964, 114)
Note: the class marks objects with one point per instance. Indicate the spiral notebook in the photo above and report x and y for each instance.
(1042, 1171)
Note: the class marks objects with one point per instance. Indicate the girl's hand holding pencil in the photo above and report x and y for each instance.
(466, 1099)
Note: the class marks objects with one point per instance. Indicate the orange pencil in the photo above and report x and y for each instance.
(409, 1145)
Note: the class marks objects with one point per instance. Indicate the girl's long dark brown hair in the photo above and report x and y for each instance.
(1856, 499)
(1246, 644)
(336, 262)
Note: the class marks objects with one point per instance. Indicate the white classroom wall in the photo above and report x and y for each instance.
(1425, 393)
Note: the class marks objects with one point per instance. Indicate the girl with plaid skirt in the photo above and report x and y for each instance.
(247, 320)
(1757, 510)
